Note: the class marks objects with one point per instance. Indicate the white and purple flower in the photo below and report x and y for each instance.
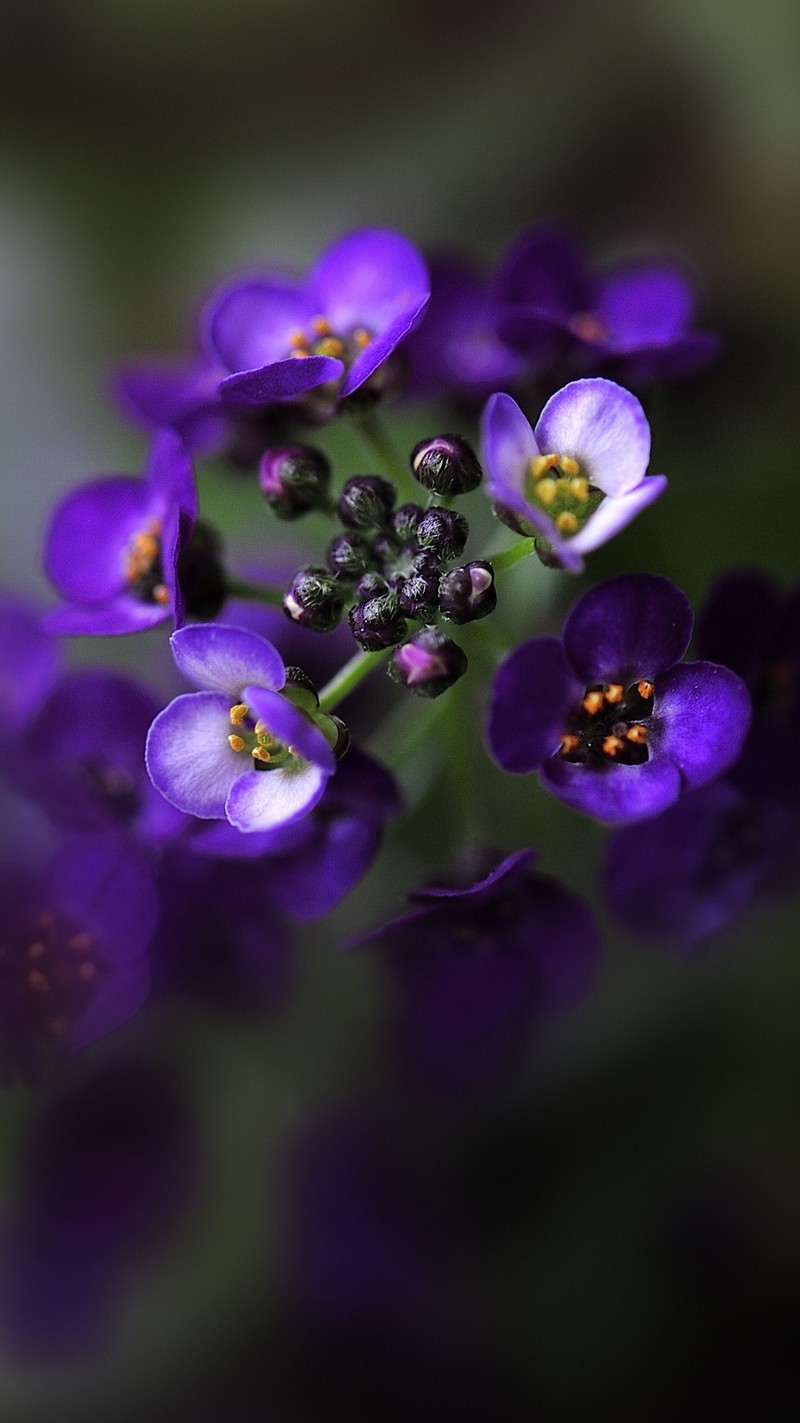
(237, 749)
(577, 478)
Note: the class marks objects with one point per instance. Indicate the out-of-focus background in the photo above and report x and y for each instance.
(636, 1212)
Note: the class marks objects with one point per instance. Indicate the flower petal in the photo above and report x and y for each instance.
(30, 661)
(603, 427)
(643, 305)
(534, 692)
(89, 533)
(261, 800)
(616, 795)
(701, 718)
(382, 346)
(635, 625)
(543, 269)
(283, 380)
(114, 618)
(250, 323)
(187, 754)
(226, 659)
(508, 445)
(291, 726)
(614, 514)
(369, 278)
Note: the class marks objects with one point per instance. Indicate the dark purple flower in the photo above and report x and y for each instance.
(279, 337)
(456, 352)
(635, 318)
(108, 1172)
(181, 396)
(310, 865)
(687, 873)
(611, 719)
(73, 960)
(237, 749)
(474, 968)
(579, 477)
(113, 546)
(30, 661)
(751, 626)
(81, 758)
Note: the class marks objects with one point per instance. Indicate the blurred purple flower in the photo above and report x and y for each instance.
(113, 546)
(613, 722)
(456, 352)
(30, 662)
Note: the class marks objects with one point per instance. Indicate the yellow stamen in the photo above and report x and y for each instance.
(238, 713)
(645, 690)
(320, 326)
(331, 346)
(259, 753)
(612, 745)
(569, 465)
(614, 693)
(592, 702)
(298, 341)
(541, 464)
(361, 338)
(568, 743)
(236, 743)
(567, 523)
(636, 734)
(579, 487)
(546, 490)
(161, 594)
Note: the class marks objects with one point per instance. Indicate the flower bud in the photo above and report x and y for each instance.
(342, 743)
(378, 623)
(294, 479)
(385, 548)
(366, 502)
(446, 465)
(314, 600)
(404, 521)
(444, 532)
(300, 689)
(348, 555)
(418, 596)
(201, 573)
(468, 593)
(428, 663)
(372, 585)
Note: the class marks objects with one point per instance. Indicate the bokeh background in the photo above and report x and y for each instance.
(631, 1211)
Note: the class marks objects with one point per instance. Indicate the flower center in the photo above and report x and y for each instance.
(144, 572)
(588, 327)
(322, 340)
(268, 754)
(51, 970)
(607, 729)
(555, 483)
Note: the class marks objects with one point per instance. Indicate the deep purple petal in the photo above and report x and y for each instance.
(508, 445)
(158, 392)
(283, 380)
(701, 717)
(735, 624)
(686, 355)
(633, 626)
(170, 474)
(603, 427)
(188, 757)
(109, 891)
(644, 305)
(614, 514)
(226, 659)
(220, 839)
(616, 795)
(260, 800)
(369, 278)
(543, 268)
(29, 663)
(535, 691)
(89, 533)
(113, 618)
(251, 323)
(505, 875)
(456, 349)
(365, 787)
(291, 726)
(313, 880)
(116, 1000)
(381, 347)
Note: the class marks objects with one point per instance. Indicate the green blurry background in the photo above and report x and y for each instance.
(146, 148)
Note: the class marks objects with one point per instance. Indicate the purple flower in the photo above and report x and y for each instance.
(280, 338)
(312, 864)
(635, 318)
(30, 661)
(456, 352)
(109, 1170)
(687, 873)
(183, 397)
(81, 758)
(579, 477)
(474, 968)
(73, 960)
(751, 626)
(113, 546)
(611, 719)
(237, 749)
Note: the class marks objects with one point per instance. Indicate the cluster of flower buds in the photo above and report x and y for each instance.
(388, 566)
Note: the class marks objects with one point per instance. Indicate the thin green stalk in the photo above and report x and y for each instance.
(501, 561)
(348, 677)
(255, 592)
(379, 442)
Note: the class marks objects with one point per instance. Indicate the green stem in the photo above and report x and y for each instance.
(380, 444)
(348, 677)
(501, 561)
(255, 592)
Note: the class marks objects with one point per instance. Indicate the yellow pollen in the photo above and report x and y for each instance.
(161, 594)
(546, 490)
(79, 943)
(36, 951)
(38, 981)
(614, 693)
(361, 338)
(236, 743)
(579, 487)
(298, 341)
(645, 690)
(612, 745)
(238, 713)
(259, 753)
(331, 346)
(568, 743)
(569, 465)
(592, 702)
(299, 353)
(636, 734)
(320, 326)
(567, 523)
(541, 464)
